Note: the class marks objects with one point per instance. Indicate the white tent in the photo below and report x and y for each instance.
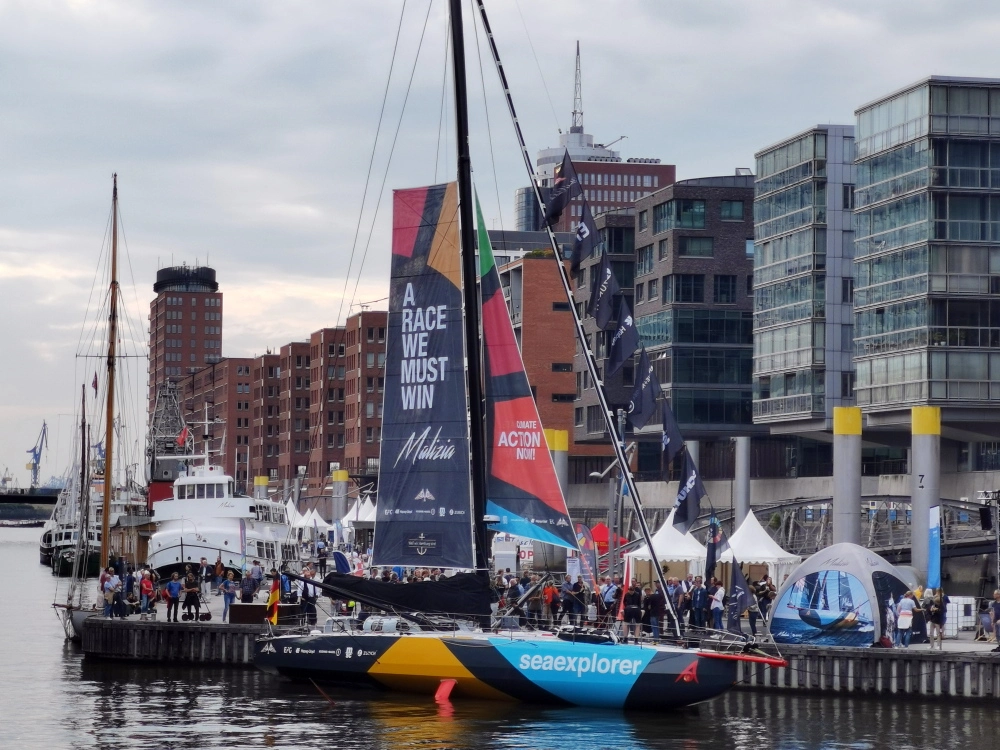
(303, 521)
(316, 522)
(671, 545)
(353, 513)
(754, 546)
(367, 512)
(292, 513)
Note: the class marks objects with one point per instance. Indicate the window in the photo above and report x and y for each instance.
(370, 359)
(639, 288)
(731, 210)
(725, 289)
(653, 290)
(679, 214)
(560, 307)
(644, 260)
(689, 287)
(643, 220)
(664, 249)
(371, 334)
(578, 416)
(563, 398)
(562, 367)
(750, 285)
(749, 248)
(847, 290)
(696, 247)
(370, 409)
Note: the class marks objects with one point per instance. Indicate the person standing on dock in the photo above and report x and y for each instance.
(718, 603)
(220, 574)
(904, 618)
(995, 617)
(173, 592)
(205, 574)
(145, 594)
(248, 587)
(191, 598)
(228, 588)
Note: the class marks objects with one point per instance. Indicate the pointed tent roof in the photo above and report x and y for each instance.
(351, 514)
(292, 513)
(752, 545)
(367, 511)
(671, 545)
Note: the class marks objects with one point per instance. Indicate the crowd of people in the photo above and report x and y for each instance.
(931, 605)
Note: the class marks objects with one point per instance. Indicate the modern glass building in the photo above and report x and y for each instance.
(927, 254)
(803, 280)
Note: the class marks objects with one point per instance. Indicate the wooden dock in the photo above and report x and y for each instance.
(875, 671)
(170, 643)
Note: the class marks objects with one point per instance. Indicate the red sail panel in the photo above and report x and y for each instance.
(522, 487)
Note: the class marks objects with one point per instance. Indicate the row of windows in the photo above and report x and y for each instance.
(715, 366)
(696, 327)
(209, 301)
(619, 180)
(806, 148)
(799, 382)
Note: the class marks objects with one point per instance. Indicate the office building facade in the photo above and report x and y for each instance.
(927, 259)
(803, 280)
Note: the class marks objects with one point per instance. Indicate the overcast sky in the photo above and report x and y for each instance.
(242, 133)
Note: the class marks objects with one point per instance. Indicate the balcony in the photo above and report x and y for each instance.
(802, 405)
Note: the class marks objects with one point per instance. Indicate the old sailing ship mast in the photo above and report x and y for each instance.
(109, 416)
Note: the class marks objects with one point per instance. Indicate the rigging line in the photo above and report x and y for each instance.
(93, 285)
(392, 150)
(486, 108)
(442, 123)
(371, 161)
(538, 65)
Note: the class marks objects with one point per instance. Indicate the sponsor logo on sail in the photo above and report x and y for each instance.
(424, 494)
(267, 649)
(349, 653)
(418, 447)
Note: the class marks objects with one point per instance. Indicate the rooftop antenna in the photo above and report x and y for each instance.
(577, 126)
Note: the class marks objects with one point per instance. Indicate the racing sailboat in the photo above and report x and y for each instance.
(462, 445)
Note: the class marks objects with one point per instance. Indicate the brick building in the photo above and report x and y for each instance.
(185, 324)
(222, 393)
(364, 385)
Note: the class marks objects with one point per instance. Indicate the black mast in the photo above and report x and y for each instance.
(470, 296)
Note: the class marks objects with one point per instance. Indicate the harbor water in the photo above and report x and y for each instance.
(51, 697)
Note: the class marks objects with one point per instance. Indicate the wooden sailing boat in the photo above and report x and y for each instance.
(429, 503)
(75, 609)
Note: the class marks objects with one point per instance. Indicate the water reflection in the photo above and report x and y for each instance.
(50, 697)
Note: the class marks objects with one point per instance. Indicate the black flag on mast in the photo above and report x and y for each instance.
(673, 441)
(687, 508)
(586, 237)
(642, 405)
(715, 545)
(565, 187)
(739, 597)
(603, 293)
(624, 340)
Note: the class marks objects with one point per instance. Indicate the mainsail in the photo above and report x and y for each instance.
(521, 486)
(425, 500)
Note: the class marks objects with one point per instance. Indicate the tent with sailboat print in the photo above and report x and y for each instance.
(838, 597)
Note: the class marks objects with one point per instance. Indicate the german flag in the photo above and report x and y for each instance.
(272, 600)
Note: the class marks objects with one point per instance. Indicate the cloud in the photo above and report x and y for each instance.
(242, 135)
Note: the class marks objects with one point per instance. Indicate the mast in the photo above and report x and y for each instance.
(82, 547)
(109, 428)
(617, 441)
(467, 229)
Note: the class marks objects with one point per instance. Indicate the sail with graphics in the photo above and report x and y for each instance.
(425, 495)
(521, 485)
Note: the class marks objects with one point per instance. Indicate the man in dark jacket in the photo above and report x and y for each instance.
(656, 604)
(699, 602)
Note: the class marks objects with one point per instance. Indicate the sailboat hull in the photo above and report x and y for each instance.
(531, 667)
(62, 565)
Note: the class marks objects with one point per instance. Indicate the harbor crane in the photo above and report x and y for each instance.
(36, 454)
